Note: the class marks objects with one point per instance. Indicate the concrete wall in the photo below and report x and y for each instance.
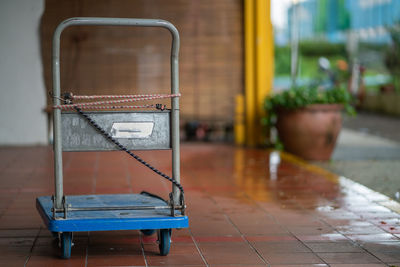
(22, 93)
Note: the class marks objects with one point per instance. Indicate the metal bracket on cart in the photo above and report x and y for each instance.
(64, 208)
(68, 207)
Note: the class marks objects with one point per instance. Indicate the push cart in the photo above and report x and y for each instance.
(82, 127)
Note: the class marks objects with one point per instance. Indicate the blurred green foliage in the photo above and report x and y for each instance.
(282, 60)
(322, 49)
(309, 52)
(392, 56)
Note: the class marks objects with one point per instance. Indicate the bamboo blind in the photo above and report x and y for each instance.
(123, 60)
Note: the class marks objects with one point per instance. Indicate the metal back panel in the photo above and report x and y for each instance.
(134, 130)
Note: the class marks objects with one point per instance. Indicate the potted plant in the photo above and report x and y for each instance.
(308, 119)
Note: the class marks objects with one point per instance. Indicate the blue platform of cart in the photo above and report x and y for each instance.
(79, 221)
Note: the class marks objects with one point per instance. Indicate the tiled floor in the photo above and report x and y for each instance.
(243, 211)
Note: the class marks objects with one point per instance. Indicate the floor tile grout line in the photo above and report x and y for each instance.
(237, 229)
(142, 248)
(87, 250)
(198, 248)
(86, 255)
(308, 247)
(33, 245)
(247, 241)
(285, 227)
(261, 208)
(370, 253)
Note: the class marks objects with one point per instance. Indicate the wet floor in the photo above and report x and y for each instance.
(246, 207)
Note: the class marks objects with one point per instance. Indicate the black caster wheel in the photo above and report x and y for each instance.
(164, 239)
(66, 244)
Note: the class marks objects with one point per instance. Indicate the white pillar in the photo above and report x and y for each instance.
(22, 93)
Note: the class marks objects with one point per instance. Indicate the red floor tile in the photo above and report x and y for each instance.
(294, 246)
(221, 226)
(113, 260)
(239, 253)
(13, 261)
(358, 265)
(322, 237)
(348, 258)
(373, 237)
(300, 265)
(387, 256)
(45, 261)
(219, 239)
(19, 232)
(180, 254)
(359, 229)
(54, 251)
(340, 246)
(7, 252)
(310, 230)
(260, 238)
(115, 255)
(16, 241)
(291, 258)
(117, 240)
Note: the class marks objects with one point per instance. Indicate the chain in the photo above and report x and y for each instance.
(122, 147)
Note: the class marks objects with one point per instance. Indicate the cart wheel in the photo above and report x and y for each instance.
(148, 231)
(66, 242)
(164, 240)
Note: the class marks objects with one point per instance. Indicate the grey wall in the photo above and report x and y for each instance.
(22, 93)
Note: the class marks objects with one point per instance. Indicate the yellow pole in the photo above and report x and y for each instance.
(264, 64)
(258, 66)
(249, 71)
(239, 120)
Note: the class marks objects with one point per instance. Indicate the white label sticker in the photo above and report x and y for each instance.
(132, 129)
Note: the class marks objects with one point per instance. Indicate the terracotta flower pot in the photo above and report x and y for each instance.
(310, 132)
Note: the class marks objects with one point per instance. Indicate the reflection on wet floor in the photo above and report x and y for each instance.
(325, 212)
(247, 207)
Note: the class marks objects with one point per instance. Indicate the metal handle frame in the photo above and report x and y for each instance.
(58, 167)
